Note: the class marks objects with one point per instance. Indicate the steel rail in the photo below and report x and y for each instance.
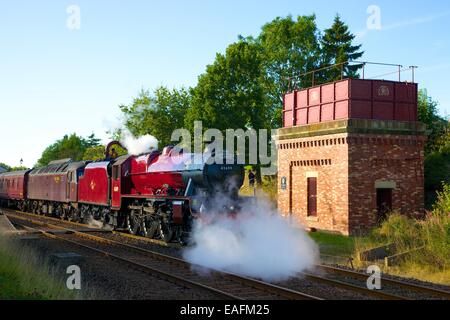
(259, 285)
(143, 268)
(123, 234)
(351, 287)
(398, 283)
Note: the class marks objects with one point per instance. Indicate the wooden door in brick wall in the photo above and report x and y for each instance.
(312, 197)
(384, 204)
(291, 186)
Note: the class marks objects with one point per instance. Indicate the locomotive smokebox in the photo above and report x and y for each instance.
(227, 178)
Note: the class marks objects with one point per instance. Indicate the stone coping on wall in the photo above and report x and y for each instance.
(353, 126)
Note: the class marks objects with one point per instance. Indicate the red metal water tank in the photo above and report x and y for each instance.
(351, 99)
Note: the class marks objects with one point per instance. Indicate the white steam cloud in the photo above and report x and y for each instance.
(258, 243)
(137, 146)
(98, 224)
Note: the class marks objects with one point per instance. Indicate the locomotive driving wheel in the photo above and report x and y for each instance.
(149, 227)
(133, 222)
(165, 229)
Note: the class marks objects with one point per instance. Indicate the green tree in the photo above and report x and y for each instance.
(19, 168)
(5, 166)
(437, 126)
(92, 141)
(98, 153)
(289, 48)
(337, 47)
(443, 142)
(443, 203)
(437, 171)
(72, 147)
(94, 153)
(437, 149)
(158, 114)
(9, 168)
(229, 95)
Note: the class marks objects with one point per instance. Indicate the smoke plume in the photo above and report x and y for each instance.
(98, 224)
(257, 243)
(137, 146)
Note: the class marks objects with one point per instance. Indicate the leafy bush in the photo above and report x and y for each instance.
(401, 230)
(437, 172)
(431, 236)
(437, 230)
(443, 204)
(436, 235)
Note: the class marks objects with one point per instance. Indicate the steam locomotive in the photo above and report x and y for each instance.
(156, 195)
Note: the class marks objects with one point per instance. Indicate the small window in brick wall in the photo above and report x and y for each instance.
(312, 197)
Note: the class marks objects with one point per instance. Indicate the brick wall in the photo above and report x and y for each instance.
(393, 160)
(349, 167)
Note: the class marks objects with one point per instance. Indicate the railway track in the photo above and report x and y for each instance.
(223, 285)
(81, 225)
(330, 276)
(402, 288)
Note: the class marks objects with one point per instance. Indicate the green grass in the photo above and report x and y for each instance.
(335, 245)
(23, 276)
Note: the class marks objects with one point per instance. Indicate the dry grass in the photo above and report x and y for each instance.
(421, 272)
(432, 235)
(268, 189)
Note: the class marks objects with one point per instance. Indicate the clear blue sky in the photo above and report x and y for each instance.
(54, 80)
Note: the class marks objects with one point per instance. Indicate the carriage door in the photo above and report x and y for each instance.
(116, 186)
(68, 185)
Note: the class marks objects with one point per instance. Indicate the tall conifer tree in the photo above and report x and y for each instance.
(338, 47)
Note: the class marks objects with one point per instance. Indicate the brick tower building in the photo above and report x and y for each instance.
(349, 153)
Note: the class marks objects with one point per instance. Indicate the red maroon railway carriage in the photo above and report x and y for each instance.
(13, 189)
(154, 195)
(53, 189)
